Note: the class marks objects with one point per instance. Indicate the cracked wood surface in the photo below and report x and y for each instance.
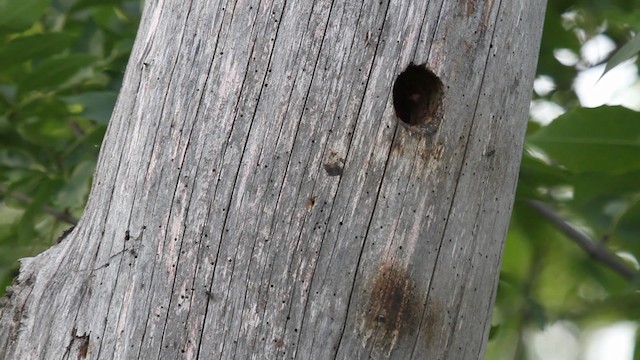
(256, 198)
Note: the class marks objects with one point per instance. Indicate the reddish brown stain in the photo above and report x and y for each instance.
(431, 152)
(83, 350)
(279, 342)
(471, 7)
(398, 147)
(433, 325)
(82, 343)
(486, 12)
(394, 310)
(311, 200)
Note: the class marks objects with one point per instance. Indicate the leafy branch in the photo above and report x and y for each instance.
(594, 248)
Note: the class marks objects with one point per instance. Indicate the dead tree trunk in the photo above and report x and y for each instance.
(255, 196)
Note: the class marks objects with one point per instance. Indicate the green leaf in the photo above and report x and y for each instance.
(96, 105)
(603, 139)
(628, 227)
(626, 52)
(535, 174)
(537, 313)
(76, 188)
(17, 15)
(54, 72)
(606, 202)
(589, 186)
(31, 47)
(636, 350)
(494, 331)
(42, 195)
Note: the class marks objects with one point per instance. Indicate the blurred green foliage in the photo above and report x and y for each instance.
(61, 66)
(585, 165)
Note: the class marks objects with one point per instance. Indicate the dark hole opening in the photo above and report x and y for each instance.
(417, 99)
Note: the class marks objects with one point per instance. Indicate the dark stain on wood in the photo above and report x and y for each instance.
(489, 153)
(333, 164)
(431, 152)
(471, 7)
(394, 310)
(83, 350)
(311, 200)
(81, 342)
(432, 327)
(398, 147)
(486, 13)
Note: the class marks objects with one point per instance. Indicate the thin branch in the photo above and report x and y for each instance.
(593, 248)
(59, 215)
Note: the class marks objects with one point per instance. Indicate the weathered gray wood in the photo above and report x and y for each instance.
(217, 226)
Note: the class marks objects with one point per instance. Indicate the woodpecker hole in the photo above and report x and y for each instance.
(417, 99)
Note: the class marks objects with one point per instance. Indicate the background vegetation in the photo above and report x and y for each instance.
(61, 66)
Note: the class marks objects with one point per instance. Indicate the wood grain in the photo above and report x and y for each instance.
(215, 230)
